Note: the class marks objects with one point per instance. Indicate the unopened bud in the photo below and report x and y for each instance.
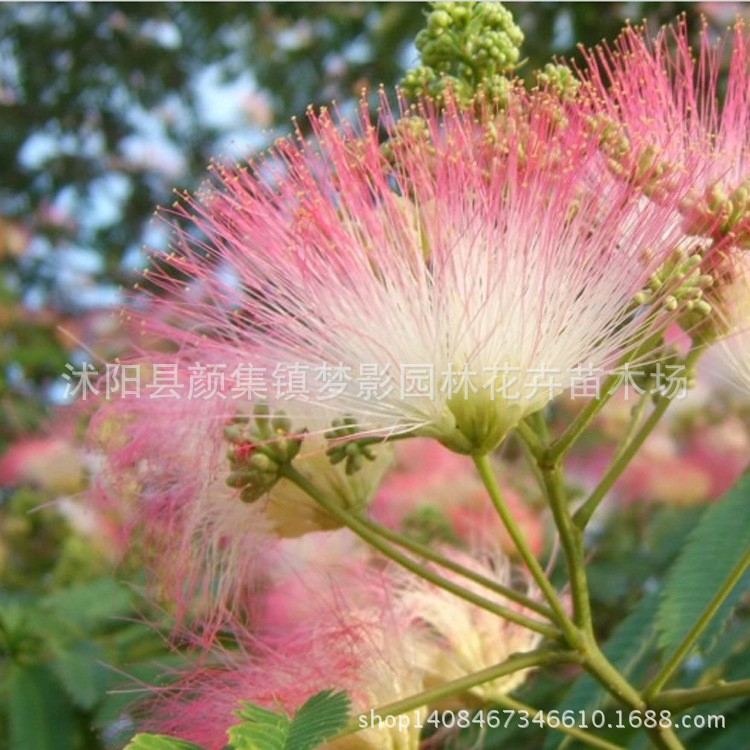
(262, 463)
(239, 479)
(253, 492)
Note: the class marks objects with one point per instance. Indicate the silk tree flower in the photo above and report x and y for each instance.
(461, 638)
(365, 649)
(446, 285)
(378, 633)
(448, 638)
(300, 572)
(667, 109)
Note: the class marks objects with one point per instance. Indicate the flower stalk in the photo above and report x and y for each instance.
(516, 534)
(515, 663)
(631, 447)
(681, 699)
(374, 539)
(428, 554)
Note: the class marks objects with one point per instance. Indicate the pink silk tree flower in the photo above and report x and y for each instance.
(163, 477)
(461, 638)
(367, 651)
(333, 566)
(668, 109)
(445, 284)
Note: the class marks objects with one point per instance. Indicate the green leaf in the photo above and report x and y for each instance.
(159, 742)
(258, 736)
(713, 549)
(256, 715)
(14, 628)
(80, 668)
(319, 719)
(40, 717)
(86, 607)
(260, 729)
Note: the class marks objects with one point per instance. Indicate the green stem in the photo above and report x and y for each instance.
(597, 664)
(571, 539)
(531, 454)
(580, 734)
(444, 562)
(665, 739)
(636, 418)
(513, 664)
(679, 700)
(530, 439)
(538, 424)
(490, 482)
(623, 458)
(355, 524)
(701, 624)
(581, 421)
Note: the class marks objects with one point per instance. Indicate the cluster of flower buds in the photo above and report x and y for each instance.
(405, 132)
(645, 167)
(718, 213)
(465, 47)
(685, 282)
(344, 448)
(259, 448)
(558, 78)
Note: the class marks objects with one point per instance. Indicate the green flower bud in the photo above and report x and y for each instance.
(235, 434)
(560, 79)
(258, 449)
(253, 492)
(239, 479)
(260, 462)
(464, 46)
(281, 424)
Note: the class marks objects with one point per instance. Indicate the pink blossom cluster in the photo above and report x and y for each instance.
(555, 229)
(322, 611)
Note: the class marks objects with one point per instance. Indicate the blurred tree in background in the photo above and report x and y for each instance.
(106, 108)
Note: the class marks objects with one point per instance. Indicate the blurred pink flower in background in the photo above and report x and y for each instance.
(347, 623)
(687, 460)
(723, 12)
(428, 476)
(52, 464)
(363, 646)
